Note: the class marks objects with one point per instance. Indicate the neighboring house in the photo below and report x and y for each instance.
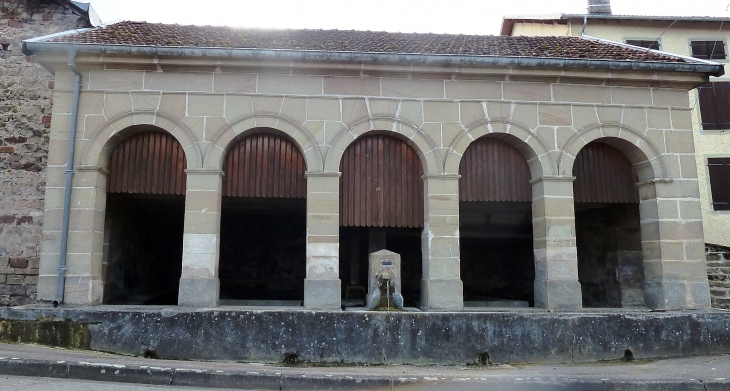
(700, 37)
(218, 165)
(25, 116)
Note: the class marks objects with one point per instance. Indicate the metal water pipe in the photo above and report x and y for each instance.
(69, 179)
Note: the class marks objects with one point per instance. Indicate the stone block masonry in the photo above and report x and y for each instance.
(25, 119)
(374, 337)
(718, 273)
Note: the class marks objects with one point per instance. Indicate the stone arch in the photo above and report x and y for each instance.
(642, 153)
(101, 141)
(240, 127)
(531, 145)
(422, 143)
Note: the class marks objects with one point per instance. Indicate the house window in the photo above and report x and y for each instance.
(644, 44)
(715, 105)
(719, 169)
(708, 50)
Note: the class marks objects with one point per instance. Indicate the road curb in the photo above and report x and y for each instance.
(288, 380)
(108, 372)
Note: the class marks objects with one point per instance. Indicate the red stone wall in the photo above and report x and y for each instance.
(718, 272)
(25, 116)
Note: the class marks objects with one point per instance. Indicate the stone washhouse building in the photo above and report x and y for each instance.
(213, 166)
(699, 37)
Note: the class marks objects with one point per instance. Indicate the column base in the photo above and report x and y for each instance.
(323, 294)
(47, 287)
(198, 292)
(558, 294)
(446, 294)
(85, 290)
(677, 294)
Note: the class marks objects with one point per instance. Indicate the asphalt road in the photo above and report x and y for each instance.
(87, 370)
(25, 383)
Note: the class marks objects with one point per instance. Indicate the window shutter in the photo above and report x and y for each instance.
(715, 105)
(716, 50)
(722, 104)
(708, 108)
(708, 50)
(719, 169)
(644, 44)
(699, 49)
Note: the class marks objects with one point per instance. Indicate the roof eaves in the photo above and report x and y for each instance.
(42, 44)
(49, 37)
(508, 22)
(647, 17)
(688, 60)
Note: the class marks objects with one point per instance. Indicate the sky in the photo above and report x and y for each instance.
(423, 16)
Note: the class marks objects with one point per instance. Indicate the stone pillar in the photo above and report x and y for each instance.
(322, 286)
(556, 255)
(675, 272)
(83, 283)
(441, 286)
(199, 284)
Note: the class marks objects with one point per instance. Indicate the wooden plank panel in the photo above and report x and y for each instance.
(147, 163)
(709, 106)
(722, 104)
(492, 170)
(165, 154)
(381, 184)
(264, 165)
(604, 175)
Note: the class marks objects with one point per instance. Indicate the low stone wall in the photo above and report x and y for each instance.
(373, 337)
(25, 116)
(718, 272)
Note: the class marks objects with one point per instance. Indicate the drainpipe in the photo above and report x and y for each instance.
(69, 177)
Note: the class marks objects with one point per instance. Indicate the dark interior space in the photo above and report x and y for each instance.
(144, 240)
(610, 269)
(381, 208)
(263, 249)
(608, 229)
(355, 245)
(497, 261)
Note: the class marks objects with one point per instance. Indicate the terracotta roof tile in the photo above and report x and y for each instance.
(140, 33)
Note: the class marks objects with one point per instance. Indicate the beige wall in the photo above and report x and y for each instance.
(439, 112)
(537, 29)
(676, 39)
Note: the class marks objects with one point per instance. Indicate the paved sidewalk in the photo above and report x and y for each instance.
(694, 373)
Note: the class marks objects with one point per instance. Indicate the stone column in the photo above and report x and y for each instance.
(441, 286)
(556, 255)
(322, 286)
(83, 283)
(672, 240)
(199, 284)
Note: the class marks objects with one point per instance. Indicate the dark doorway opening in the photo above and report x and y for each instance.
(610, 267)
(144, 219)
(608, 229)
(263, 222)
(497, 261)
(381, 207)
(495, 225)
(144, 249)
(263, 251)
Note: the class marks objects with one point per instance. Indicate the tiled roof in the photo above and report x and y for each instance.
(140, 33)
